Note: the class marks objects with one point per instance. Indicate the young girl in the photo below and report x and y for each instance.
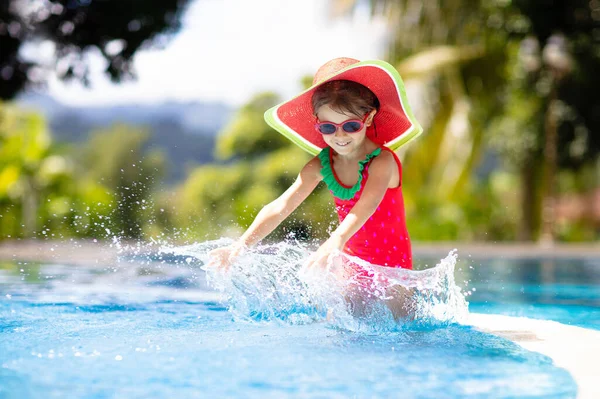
(352, 118)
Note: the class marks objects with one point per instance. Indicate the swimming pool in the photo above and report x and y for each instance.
(143, 329)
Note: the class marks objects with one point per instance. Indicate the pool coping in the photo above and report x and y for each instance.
(509, 250)
(575, 349)
(90, 252)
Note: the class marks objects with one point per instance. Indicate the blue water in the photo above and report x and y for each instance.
(563, 290)
(150, 329)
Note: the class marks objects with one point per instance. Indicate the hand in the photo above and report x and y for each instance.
(222, 258)
(318, 260)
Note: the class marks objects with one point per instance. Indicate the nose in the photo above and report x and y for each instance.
(340, 132)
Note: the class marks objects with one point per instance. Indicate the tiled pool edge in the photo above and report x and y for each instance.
(573, 348)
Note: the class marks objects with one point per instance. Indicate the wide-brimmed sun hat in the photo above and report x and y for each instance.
(394, 126)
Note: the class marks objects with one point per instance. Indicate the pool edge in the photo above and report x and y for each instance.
(570, 347)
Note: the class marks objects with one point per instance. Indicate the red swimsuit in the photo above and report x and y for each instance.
(383, 239)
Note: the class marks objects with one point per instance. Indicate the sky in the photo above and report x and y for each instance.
(229, 50)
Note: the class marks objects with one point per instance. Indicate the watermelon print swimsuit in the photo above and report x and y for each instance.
(383, 240)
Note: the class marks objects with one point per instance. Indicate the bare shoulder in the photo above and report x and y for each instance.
(384, 161)
(312, 169)
(384, 167)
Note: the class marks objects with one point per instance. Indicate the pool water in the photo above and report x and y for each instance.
(563, 290)
(147, 329)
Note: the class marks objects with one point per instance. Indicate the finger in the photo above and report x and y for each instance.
(309, 260)
(309, 265)
(217, 260)
(236, 251)
(231, 258)
(322, 263)
(329, 262)
(214, 252)
(316, 262)
(213, 262)
(316, 259)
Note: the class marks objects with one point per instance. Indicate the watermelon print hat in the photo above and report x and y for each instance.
(394, 126)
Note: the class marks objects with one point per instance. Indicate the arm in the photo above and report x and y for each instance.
(272, 214)
(381, 173)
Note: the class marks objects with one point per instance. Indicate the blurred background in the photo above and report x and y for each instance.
(143, 119)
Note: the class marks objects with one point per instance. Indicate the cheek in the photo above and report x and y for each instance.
(327, 138)
(360, 136)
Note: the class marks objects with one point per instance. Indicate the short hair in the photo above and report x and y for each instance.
(345, 96)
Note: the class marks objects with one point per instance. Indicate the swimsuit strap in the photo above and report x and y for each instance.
(333, 184)
(398, 163)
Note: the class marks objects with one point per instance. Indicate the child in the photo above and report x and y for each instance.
(352, 118)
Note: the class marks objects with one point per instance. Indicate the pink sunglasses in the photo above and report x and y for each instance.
(350, 126)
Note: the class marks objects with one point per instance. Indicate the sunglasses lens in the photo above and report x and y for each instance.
(327, 128)
(351, 127)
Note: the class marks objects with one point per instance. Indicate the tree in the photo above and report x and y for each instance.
(570, 57)
(551, 102)
(248, 136)
(128, 170)
(453, 61)
(466, 53)
(24, 147)
(117, 28)
(36, 177)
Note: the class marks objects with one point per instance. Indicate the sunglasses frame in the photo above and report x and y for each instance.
(341, 125)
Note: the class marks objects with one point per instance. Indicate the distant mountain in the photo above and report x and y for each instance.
(186, 132)
(195, 117)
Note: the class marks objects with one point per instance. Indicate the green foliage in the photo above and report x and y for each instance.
(481, 212)
(41, 195)
(221, 200)
(306, 81)
(217, 200)
(29, 170)
(509, 92)
(248, 135)
(476, 173)
(205, 201)
(128, 170)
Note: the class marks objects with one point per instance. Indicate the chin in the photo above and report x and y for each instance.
(345, 150)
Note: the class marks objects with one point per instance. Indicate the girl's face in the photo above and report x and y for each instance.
(343, 143)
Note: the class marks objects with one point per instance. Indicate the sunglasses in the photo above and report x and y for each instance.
(350, 126)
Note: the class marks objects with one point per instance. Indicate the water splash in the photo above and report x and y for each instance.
(268, 283)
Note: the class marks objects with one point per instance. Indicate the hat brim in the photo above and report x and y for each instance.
(395, 123)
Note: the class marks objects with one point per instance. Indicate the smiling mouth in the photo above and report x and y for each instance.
(343, 144)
